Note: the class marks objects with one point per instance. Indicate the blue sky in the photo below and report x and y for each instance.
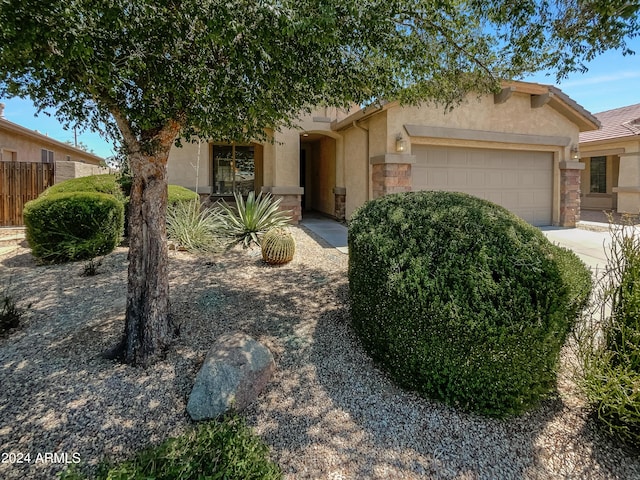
(613, 81)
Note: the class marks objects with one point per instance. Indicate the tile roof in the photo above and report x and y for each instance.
(616, 123)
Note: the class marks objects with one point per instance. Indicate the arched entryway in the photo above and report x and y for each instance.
(318, 173)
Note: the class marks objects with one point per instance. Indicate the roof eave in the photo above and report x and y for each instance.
(568, 107)
(14, 127)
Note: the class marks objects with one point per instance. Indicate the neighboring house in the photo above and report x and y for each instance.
(20, 144)
(611, 178)
(518, 148)
(30, 162)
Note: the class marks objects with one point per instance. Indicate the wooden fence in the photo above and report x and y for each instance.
(19, 183)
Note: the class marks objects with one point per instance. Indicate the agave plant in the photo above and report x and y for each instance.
(196, 230)
(249, 220)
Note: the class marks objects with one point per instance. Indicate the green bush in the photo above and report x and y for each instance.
(107, 183)
(576, 277)
(460, 300)
(177, 194)
(73, 226)
(118, 185)
(609, 343)
(215, 450)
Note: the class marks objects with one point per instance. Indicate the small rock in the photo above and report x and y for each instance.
(234, 373)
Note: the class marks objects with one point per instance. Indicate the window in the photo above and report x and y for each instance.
(233, 169)
(47, 156)
(598, 175)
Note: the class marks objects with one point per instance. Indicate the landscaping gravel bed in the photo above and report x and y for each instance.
(328, 413)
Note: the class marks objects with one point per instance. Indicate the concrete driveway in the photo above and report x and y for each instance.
(588, 245)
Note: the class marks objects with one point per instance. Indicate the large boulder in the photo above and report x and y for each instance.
(234, 373)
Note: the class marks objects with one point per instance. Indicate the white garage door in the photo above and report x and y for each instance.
(520, 181)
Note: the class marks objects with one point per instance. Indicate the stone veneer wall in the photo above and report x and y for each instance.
(570, 193)
(390, 178)
(293, 203)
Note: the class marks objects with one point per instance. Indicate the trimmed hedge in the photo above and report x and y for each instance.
(106, 183)
(109, 183)
(460, 300)
(176, 194)
(71, 226)
(112, 184)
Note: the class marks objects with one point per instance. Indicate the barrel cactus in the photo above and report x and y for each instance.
(278, 246)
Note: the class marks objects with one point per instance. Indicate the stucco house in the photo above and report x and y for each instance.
(21, 144)
(611, 155)
(30, 162)
(518, 148)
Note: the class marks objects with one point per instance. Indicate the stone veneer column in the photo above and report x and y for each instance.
(570, 193)
(340, 197)
(391, 173)
(291, 199)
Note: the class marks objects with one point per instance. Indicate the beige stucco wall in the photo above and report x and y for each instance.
(356, 168)
(515, 116)
(23, 147)
(286, 170)
(67, 170)
(623, 175)
(185, 164)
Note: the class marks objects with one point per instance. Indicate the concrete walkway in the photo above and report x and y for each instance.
(334, 233)
(10, 239)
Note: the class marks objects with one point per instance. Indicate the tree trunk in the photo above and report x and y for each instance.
(148, 328)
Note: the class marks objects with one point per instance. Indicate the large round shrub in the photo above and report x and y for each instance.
(460, 300)
(73, 226)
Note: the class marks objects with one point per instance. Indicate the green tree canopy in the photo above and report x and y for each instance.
(151, 71)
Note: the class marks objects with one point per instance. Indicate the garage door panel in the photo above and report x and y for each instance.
(529, 180)
(457, 159)
(439, 176)
(476, 178)
(495, 179)
(518, 180)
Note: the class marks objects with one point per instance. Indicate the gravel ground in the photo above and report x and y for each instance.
(327, 414)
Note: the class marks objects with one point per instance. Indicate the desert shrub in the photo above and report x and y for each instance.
(10, 312)
(194, 228)
(460, 300)
(609, 342)
(221, 450)
(73, 226)
(107, 183)
(177, 194)
(248, 220)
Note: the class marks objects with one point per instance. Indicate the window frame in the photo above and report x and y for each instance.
(46, 155)
(598, 176)
(226, 187)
